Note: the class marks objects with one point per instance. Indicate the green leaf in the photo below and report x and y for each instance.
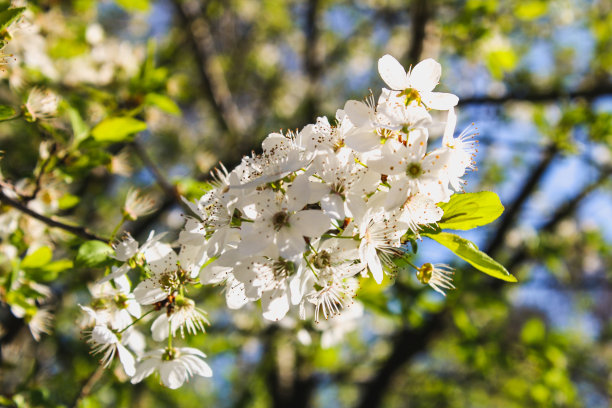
(469, 252)
(534, 332)
(6, 113)
(16, 298)
(117, 129)
(93, 254)
(134, 5)
(37, 259)
(68, 201)
(79, 127)
(470, 210)
(9, 16)
(531, 9)
(164, 103)
(50, 271)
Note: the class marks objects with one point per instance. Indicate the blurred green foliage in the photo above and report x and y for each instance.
(193, 83)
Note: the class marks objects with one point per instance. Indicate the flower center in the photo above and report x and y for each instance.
(170, 354)
(414, 170)
(280, 219)
(282, 268)
(411, 94)
(424, 273)
(321, 260)
(121, 301)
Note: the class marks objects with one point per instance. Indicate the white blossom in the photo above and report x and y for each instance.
(175, 366)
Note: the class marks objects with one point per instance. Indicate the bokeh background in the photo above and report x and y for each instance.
(534, 76)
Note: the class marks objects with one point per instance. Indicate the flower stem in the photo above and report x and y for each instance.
(116, 230)
(136, 321)
(170, 335)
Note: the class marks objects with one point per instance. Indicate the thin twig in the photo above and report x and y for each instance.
(73, 229)
(169, 189)
(88, 385)
(419, 16)
(590, 93)
(39, 176)
(514, 209)
(212, 77)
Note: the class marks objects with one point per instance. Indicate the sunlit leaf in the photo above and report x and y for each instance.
(6, 112)
(164, 103)
(93, 254)
(469, 252)
(134, 5)
(38, 258)
(117, 129)
(79, 127)
(50, 271)
(7, 17)
(470, 210)
(68, 201)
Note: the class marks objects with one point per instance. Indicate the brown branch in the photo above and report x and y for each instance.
(39, 176)
(420, 14)
(212, 77)
(563, 211)
(73, 229)
(513, 210)
(406, 343)
(170, 190)
(590, 93)
(88, 385)
(410, 342)
(312, 59)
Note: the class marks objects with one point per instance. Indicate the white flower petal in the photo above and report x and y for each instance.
(197, 366)
(373, 261)
(147, 292)
(357, 112)
(310, 223)
(127, 360)
(102, 335)
(160, 328)
(235, 295)
(333, 205)
(291, 242)
(144, 369)
(392, 72)
(362, 139)
(172, 373)
(116, 273)
(425, 75)
(298, 193)
(439, 100)
(451, 123)
(161, 258)
(275, 305)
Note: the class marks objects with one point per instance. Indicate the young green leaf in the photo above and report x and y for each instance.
(7, 17)
(37, 259)
(469, 252)
(68, 201)
(470, 210)
(134, 5)
(79, 127)
(164, 103)
(119, 129)
(6, 113)
(49, 271)
(93, 254)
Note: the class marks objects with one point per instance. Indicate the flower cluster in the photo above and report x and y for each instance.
(295, 226)
(298, 223)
